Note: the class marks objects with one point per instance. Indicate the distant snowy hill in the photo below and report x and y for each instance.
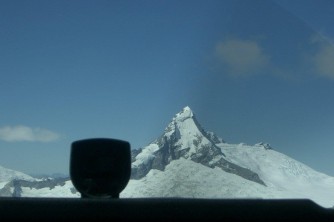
(46, 187)
(7, 175)
(51, 188)
(187, 161)
(17, 184)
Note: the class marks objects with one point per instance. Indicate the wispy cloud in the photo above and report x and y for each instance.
(242, 57)
(323, 59)
(25, 133)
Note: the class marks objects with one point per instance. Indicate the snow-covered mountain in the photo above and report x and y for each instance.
(281, 172)
(16, 184)
(187, 161)
(57, 187)
(184, 137)
(7, 175)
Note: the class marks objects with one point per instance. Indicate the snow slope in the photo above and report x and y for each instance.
(7, 175)
(282, 172)
(67, 190)
(185, 178)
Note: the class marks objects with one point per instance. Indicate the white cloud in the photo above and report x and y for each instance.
(242, 57)
(323, 58)
(24, 133)
(324, 61)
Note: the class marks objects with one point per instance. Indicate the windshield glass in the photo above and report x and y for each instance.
(218, 99)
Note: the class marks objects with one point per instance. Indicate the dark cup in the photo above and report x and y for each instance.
(100, 168)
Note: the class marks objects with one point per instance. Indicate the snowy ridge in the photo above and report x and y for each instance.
(65, 190)
(7, 175)
(186, 113)
(282, 172)
(17, 184)
(146, 155)
(51, 187)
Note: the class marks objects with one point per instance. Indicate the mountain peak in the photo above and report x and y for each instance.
(184, 114)
(185, 138)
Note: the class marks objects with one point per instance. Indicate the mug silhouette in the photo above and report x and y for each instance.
(100, 167)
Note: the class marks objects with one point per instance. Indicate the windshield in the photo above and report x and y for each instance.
(228, 94)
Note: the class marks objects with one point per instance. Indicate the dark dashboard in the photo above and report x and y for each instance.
(161, 209)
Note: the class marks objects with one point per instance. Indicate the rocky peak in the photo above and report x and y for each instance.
(184, 114)
(184, 137)
(264, 145)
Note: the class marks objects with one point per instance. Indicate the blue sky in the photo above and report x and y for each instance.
(251, 71)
